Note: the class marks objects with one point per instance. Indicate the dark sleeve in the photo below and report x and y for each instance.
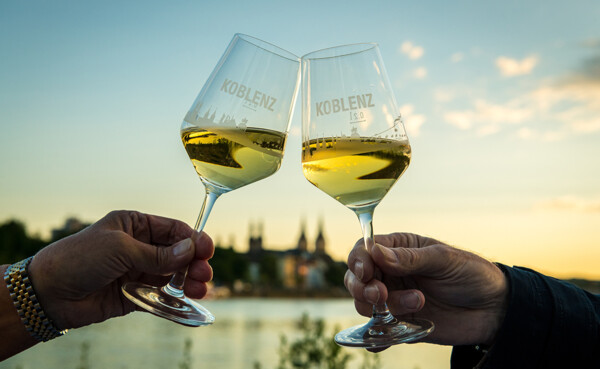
(549, 323)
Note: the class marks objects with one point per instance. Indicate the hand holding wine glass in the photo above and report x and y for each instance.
(234, 134)
(354, 149)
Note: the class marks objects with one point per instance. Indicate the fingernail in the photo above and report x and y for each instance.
(387, 253)
(359, 269)
(412, 301)
(371, 294)
(182, 247)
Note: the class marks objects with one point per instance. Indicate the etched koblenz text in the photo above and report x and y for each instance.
(257, 98)
(344, 104)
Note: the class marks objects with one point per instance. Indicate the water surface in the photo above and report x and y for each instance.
(245, 331)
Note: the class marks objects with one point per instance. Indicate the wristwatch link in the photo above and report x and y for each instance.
(22, 293)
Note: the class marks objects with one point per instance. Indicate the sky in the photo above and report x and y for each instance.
(501, 102)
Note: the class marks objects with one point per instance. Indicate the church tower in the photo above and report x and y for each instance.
(302, 242)
(255, 240)
(320, 241)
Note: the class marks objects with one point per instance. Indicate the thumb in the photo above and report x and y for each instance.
(159, 260)
(402, 261)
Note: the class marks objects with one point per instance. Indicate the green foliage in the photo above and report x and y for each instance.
(228, 266)
(334, 275)
(15, 244)
(269, 275)
(315, 349)
(84, 359)
(186, 360)
(370, 361)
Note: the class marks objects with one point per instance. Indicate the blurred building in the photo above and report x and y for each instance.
(304, 266)
(72, 225)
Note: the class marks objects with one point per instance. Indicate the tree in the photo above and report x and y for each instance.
(228, 266)
(15, 244)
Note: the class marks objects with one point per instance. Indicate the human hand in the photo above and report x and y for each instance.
(463, 294)
(78, 279)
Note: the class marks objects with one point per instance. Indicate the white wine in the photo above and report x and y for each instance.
(355, 171)
(229, 158)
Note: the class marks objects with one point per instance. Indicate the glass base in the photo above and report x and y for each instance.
(157, 301)
(377, 334)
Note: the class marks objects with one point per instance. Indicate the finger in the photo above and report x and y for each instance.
(407, 240)
(155, 280)
(373, 292)
(360, 262)
(363, 308)
(157, 260)
(205, 247)
(405, 301)
(195, 289)
(147, 228)
(354, 285)
(200, 271)
(378, 349)
(429, 261)
(163, 231)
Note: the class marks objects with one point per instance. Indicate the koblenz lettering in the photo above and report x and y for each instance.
(344, 104)
(242, 91)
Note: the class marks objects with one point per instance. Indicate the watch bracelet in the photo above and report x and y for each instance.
(25, 301)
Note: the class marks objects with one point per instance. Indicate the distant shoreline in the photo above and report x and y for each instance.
(217, 293)
(224, 293)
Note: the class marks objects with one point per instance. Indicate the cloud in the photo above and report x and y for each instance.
(552, 111)
(412, 122)
(420, 73)
(457, 57)
(569, 203)
(527, 133)
(511, 67)
(414, 52)
(487, 117)
(575, 99)
(443, 95)
(591, 43)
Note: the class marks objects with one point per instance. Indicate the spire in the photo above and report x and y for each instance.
(255, 238)
(320, 241)
(302, 243)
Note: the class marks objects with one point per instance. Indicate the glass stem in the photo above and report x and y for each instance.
(381, 313)
(175, 285)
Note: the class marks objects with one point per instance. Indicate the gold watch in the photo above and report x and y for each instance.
(22, 293)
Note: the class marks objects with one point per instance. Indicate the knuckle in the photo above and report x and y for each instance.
(353, 255)
(162, 258)
(409, 258)
(347, 280)
(446, 252)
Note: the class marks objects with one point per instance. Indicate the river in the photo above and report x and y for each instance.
(245, 331)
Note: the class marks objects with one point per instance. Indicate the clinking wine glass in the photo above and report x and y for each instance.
(354, 149)
(235, 134)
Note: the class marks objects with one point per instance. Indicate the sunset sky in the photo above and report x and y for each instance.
(501, 101)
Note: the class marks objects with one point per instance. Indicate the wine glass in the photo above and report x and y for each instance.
(354, 148)
(234, 134)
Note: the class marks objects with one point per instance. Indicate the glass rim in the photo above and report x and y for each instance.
(267, 46)
(339, 51)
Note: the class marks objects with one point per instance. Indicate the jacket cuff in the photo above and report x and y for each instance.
(549, 323)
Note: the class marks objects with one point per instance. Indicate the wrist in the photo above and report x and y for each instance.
(498, 308)
(38, 272)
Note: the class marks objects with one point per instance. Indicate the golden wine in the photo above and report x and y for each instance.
(229, 158)
(355, 171)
